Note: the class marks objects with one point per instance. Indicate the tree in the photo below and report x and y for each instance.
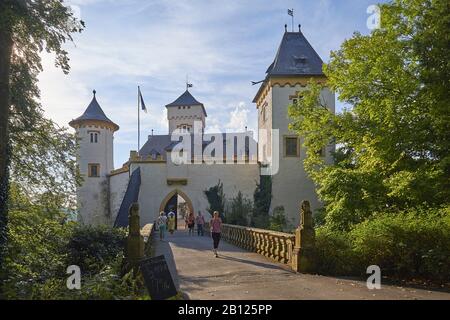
(262, 198)
(240, 210)
(278, 220)
(393, 143)
(27, 28)
(216, 199)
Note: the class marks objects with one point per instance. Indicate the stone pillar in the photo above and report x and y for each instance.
(303, 253)
(135, 241)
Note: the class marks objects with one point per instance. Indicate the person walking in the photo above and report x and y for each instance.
(200, 221)
(161, 222)
(171, 222)
(191, 223)
(216, 229)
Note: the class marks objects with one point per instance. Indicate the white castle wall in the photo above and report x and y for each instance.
(93, 203)
(154, 187)
(291, 184)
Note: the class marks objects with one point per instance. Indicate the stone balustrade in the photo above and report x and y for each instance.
(274, 245)
(296, 250)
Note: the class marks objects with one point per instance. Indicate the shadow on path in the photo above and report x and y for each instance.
(254, 263)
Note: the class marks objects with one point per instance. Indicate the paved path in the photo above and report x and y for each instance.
(242, 275)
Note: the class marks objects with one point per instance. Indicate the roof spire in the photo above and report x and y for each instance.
(94, 92)
(285, 28)
(299, 27)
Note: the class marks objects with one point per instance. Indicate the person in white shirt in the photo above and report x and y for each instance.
(161, 222)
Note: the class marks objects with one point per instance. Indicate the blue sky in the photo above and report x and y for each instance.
(221, 45)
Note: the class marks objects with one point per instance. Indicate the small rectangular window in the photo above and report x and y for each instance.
(94, 170)
(291, 147)
(93, 137)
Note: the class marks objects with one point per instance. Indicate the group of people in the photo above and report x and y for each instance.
(168, 221)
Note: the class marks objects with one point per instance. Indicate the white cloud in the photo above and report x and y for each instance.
(238, 118)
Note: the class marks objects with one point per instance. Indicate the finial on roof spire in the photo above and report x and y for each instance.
(94, 92)
(299, 27)
(285, 28)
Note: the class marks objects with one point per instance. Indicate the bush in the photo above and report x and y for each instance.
(411, 244)
(35, 254)
(92, 248)
(239, 210)
(278, 221)
(334, 255)
(42, 245)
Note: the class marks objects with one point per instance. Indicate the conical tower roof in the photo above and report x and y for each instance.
(94, 113)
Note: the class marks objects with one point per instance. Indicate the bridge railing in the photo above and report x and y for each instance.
(296, 250)
(274, 245)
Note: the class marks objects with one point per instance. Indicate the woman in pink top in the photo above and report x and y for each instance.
(216, 228)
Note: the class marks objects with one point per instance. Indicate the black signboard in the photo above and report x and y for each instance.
(157, 278)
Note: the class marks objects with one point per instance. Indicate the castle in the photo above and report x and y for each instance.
(156, 179)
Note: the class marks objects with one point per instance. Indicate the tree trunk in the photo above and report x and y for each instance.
(5, 103)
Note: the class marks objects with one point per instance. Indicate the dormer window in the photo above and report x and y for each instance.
(93, 137)
(184, 128)
(299, 61)
(154, 154)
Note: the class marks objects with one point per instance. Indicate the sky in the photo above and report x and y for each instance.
(221, 46)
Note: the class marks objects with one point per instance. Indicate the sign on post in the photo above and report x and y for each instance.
(157, 277)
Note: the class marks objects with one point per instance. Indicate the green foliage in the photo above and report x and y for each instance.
(394, 140)
(38, 153)
(239, 212)
(334, 255)
(409, 244)
(216, 199)
(278, 220)
(91, 248)
(262, 198)
(36, 252)
(43, 244)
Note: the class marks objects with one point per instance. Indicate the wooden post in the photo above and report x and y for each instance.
(135, 241)
(303, 253)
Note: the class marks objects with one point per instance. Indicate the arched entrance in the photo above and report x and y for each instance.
(178, 202)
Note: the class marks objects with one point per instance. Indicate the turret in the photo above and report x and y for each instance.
(95, 134)
(183, 112)
(296, 63)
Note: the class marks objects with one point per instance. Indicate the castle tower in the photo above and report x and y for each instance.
(95, 134)
(183, 112)
(295, 64)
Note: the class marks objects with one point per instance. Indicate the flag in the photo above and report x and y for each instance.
(142, 102)
(291, 12)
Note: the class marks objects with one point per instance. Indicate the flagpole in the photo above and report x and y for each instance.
(292, 19)
(139, 121)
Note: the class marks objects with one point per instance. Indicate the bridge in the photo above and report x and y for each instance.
(239, 274)
(254, 264)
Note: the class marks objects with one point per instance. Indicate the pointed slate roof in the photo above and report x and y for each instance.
(295, 57)
(94, 112)
(186, 99)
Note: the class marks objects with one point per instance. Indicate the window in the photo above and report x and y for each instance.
(291, 147)
(93, 170)
(94, 137)
(184, 128)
